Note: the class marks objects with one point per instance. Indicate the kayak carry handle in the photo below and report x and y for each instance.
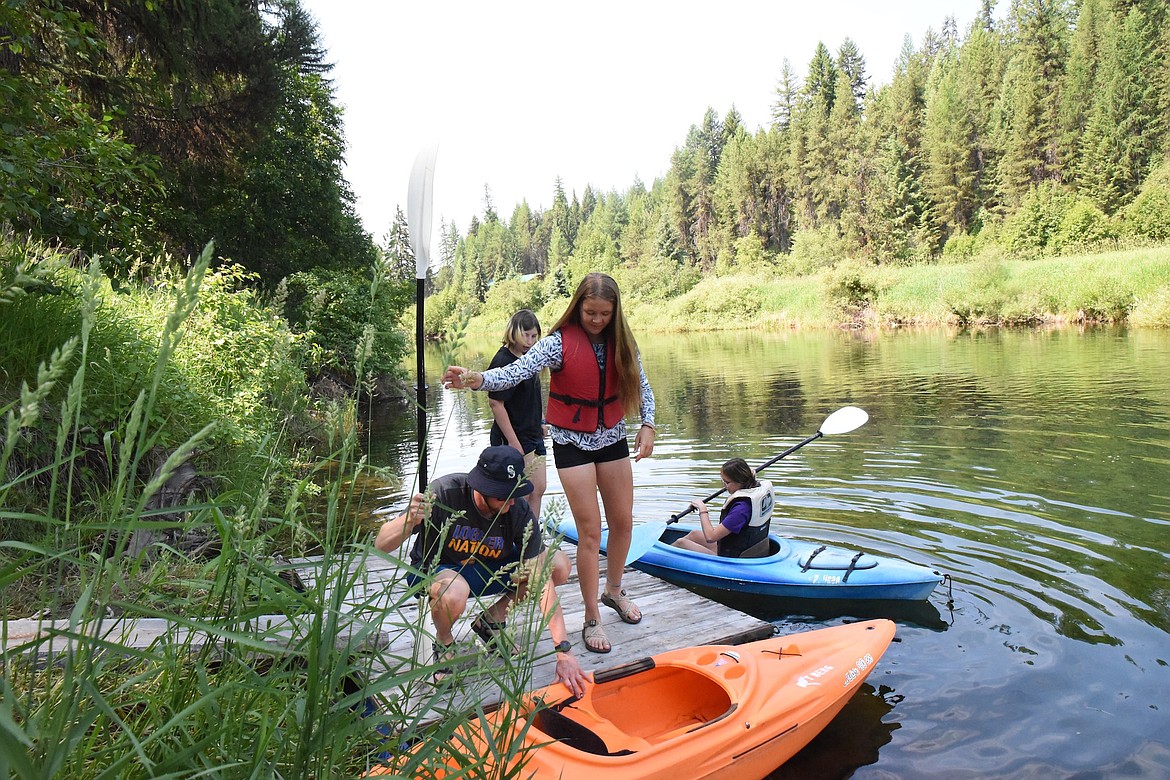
(625, 670)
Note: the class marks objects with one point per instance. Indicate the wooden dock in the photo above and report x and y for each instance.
(672, 617)
(375, 607)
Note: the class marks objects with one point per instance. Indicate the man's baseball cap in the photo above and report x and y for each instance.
(500, 473)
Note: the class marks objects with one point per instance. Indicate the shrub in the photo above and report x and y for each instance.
(506, 297)
(659, 279)
(960, 247)
(851, 287)
(439, 312)
(985, 297)
(813, 250)
(749, 257)
(330, 311)
(1148, 216)
(1034, 224)
(1153, 310)
(731, 302)
(1083, 225)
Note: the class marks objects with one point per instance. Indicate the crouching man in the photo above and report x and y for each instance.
(472, 529)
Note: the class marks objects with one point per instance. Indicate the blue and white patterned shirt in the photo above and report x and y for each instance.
(546, 353)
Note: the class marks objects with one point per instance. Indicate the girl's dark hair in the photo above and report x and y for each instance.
(738, 470)
(520, 321)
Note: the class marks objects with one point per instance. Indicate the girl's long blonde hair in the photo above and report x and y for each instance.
(625, 348)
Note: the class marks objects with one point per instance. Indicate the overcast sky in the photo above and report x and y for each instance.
(519, 92)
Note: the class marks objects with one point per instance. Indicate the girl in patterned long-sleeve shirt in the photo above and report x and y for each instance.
(597, 378)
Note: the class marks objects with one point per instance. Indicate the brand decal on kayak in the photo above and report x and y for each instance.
(806, 680)
(858, 669)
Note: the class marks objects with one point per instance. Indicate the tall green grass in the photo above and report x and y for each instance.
(1131, 285)
(251, 676)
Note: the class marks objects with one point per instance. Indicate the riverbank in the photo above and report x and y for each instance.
(1131, 286)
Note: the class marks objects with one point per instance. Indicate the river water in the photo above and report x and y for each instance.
(1032, 466)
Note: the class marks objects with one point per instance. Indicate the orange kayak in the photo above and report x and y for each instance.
(716, 711)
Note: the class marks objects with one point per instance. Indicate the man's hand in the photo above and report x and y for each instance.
(570, 673)
(394, 532)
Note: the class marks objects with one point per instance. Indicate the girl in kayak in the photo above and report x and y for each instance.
(597, 378)
(744, 520)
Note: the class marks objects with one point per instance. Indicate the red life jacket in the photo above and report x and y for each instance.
(575, 398)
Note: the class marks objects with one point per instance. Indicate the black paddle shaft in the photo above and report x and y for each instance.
(761, 467)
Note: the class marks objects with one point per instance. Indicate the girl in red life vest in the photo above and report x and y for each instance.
(597, 379)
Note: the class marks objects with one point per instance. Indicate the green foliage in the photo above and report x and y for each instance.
(509, 296)
(1033, 226)
(221, 690)
(69, 173)
(1083, 225)
(439, 311)
(330, 311)
(1148, 216)
(749, 257)
(960, 247)
(984, 297)
(125, 127)
(660, 279)
(815, 250)
(734, 299)
(1152, 310)
(851, 287)
(190, 355)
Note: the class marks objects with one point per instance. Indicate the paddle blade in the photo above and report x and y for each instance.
(844, 420)
(418, 207)
(643, 538)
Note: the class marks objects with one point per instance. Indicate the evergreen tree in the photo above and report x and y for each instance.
(950, 138)
(821, 83)
(978, 75)
(851, 65)
(1030, 99)
(905, 231)
(1126, 127)
(489, 208)
(841, 163)
(786, 96)
(399, 254)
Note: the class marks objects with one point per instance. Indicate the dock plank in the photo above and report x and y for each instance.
(374, 602)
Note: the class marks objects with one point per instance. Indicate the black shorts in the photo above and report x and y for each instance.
(566, 455)
(532, 446)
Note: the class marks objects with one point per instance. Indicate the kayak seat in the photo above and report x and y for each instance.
(576, 735)
(761, 549)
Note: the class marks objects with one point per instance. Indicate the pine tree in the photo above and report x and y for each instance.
(786, 96)
(1078, 92)
(1125, 125)
(949, 141)
(1030, 100)
(851, 64)
(821, 83)
(399, 254)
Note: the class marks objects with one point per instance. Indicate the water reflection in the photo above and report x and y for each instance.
(1031, 466)
(850, 741)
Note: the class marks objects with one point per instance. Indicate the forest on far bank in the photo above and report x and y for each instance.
(1043, 134)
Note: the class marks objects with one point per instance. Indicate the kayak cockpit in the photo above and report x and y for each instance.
(637, 712)
(773, 547)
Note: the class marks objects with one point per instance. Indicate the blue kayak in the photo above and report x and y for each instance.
(792, 569)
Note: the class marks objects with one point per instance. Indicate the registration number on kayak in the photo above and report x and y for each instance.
(858, 669)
